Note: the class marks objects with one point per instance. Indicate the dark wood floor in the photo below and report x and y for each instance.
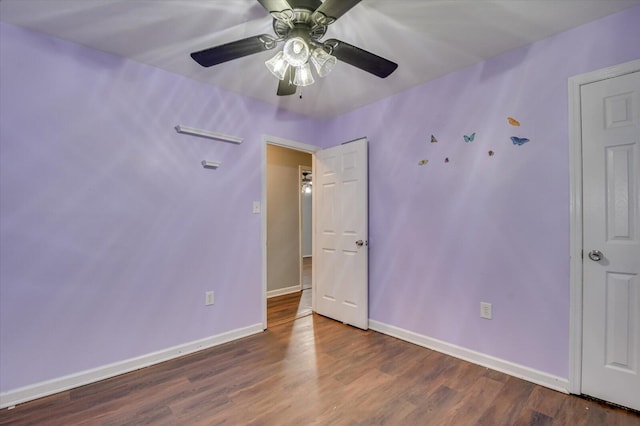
(289, 307)
(307, 264)
(315, 371)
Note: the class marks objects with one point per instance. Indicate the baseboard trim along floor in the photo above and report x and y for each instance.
(50, 387)
(529, 374)
(283, 291)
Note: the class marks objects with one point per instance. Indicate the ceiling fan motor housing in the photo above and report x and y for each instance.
(302, 22)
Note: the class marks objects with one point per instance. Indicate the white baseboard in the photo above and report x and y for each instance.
(538, 377)
(283, 291)
(49, 387)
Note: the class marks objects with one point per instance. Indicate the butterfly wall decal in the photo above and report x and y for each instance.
(422, 162)
(469, 138)
(513, 121)
(491, 153)
(446, 160)
(433, 139)
(519, 141)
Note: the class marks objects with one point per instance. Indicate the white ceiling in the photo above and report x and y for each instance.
(427, 38)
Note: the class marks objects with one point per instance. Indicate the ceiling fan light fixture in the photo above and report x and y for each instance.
(296, 51)
(303, 75)
(307, 183)
(301, 26)
(322, 61)
(278, 65)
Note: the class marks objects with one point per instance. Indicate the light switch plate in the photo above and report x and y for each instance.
(485, 310)
(256, 207)
(208, 298)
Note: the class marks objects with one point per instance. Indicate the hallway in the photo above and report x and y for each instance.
(288, 307)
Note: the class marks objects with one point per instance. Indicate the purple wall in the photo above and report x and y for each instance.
(111, 230)
(444, 237)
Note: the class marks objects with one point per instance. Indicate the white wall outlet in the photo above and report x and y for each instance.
(256, 207)
(485, 310)
(208, 298)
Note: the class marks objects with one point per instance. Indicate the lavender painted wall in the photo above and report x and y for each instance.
(111, 231)
(444, 237)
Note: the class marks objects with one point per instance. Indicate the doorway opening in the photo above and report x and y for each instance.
(287, 230)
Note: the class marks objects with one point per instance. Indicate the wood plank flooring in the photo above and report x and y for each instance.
(295, 305)
(315, 371)
(289, 307)
(307, 265)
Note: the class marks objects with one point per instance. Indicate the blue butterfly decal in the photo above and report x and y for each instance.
(519, 141)
(468, 139)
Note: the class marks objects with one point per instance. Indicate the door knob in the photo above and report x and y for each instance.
(595, 255)
(360, 243)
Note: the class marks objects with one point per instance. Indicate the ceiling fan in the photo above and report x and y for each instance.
(300, 24)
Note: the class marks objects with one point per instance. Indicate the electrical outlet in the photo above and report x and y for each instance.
(485, 310)
(208, 298)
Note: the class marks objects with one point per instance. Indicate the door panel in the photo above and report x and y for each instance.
(611, 269)
(621, 329)
(341, 279)
(620, 197)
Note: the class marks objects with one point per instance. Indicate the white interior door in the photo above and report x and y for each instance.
(611, 233)
(340, 247)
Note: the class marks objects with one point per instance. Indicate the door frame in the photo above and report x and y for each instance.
(285, 143)
(575, 212)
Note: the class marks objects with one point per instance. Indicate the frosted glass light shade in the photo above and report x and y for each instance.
(323, 62)
(278, 65)
(303, 75)
(296, 51)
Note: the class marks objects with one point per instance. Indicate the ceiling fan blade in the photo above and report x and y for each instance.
(334, 9)
(286, 86)
(275, 5)
(235, 49)
(362, 59)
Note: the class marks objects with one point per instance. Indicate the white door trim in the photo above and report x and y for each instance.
(575, 212)
(298, 146)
